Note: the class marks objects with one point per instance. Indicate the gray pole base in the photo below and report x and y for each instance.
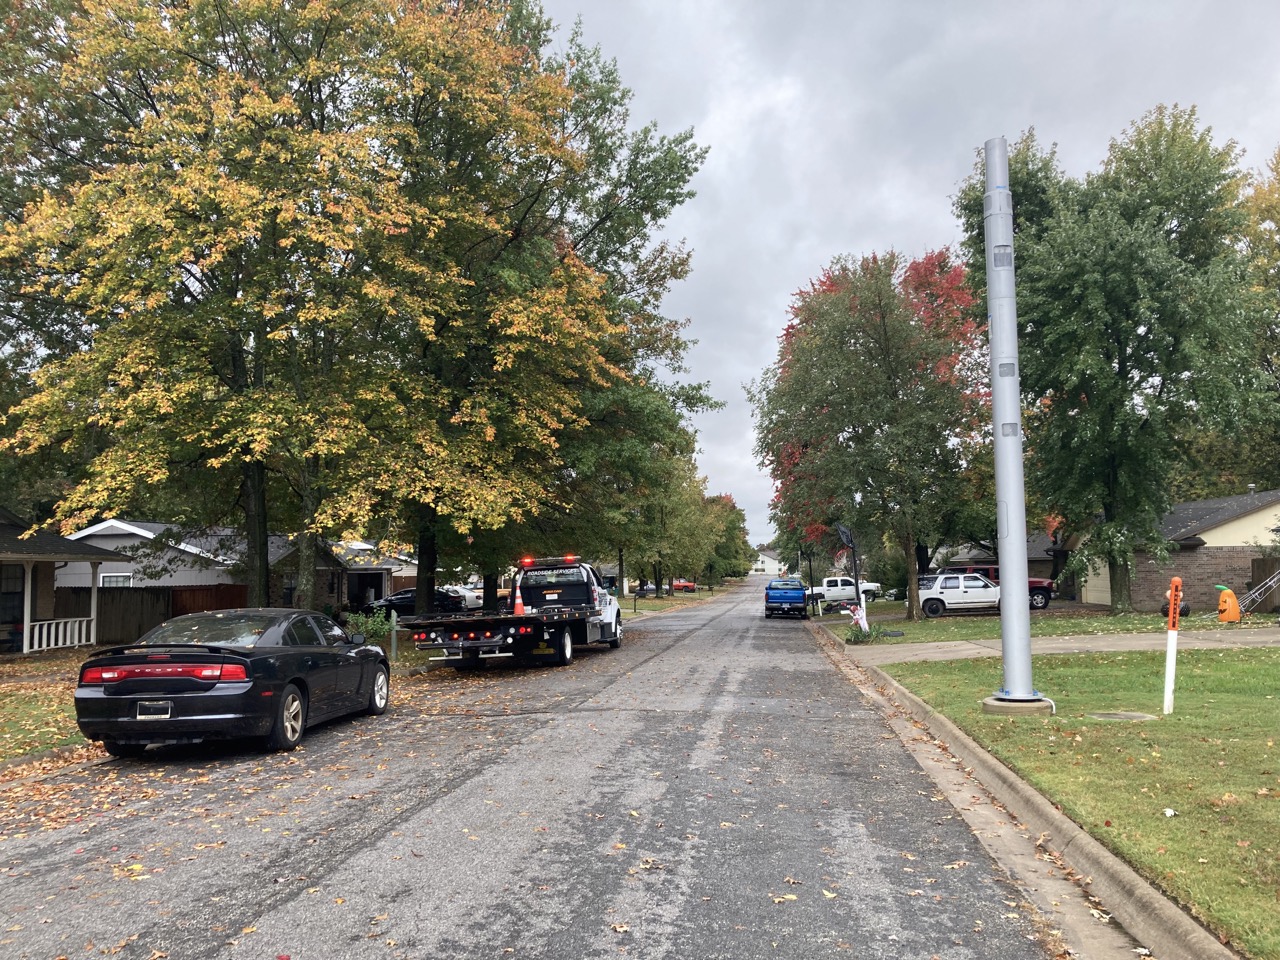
(1018, 708)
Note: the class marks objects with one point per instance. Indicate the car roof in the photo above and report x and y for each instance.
(255, 611)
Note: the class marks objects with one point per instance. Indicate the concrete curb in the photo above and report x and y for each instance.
(1162, 926)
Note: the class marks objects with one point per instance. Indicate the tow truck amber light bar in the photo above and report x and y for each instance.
(549, 561)
(218, 672)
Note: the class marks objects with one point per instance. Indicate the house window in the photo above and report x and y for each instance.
(10, 593)
(117, 580)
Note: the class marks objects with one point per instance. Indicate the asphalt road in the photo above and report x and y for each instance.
(713, 789)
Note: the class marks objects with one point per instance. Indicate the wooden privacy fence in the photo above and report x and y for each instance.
(1264, 568)
(215, 596)
(126, 613)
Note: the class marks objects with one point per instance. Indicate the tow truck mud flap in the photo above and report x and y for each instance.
(543, 650)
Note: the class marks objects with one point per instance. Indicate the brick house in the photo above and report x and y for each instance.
(1211, 542)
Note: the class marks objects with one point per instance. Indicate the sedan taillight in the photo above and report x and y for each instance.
(216, 672)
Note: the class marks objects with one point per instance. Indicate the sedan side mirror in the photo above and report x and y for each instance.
(358, 638)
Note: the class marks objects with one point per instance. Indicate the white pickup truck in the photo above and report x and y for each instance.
(834, 589)
(946, 592)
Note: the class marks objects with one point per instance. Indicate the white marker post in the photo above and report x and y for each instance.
(1171, 648)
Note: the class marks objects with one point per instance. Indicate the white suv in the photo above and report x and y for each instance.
(943, 592)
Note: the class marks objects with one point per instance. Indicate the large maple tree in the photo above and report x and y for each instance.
(329, 257)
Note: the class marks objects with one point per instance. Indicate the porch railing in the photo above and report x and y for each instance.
(53, 634)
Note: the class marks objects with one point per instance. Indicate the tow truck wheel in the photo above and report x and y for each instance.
(616, 640)
(566, 647)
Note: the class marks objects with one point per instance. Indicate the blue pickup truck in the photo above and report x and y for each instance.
(786, 595)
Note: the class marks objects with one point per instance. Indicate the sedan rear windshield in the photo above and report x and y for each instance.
(234, 630)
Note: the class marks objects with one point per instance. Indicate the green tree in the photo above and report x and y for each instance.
(309, 258)
(732, 554)
(602, 202)
(1135, 331)
(870, 393)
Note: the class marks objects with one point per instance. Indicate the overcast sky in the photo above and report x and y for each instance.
(847, 127)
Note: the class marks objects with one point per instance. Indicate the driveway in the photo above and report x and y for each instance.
(716, 788)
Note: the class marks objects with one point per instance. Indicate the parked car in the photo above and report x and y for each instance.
(786, 595)
(471, 599)
(834, 589)
(948, 592)
(1039, 589)
(680, 585)
(227, 674)
(404, 601)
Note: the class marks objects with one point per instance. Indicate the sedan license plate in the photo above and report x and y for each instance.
(154, 709)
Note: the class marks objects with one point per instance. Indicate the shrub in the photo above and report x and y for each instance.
(375, 626)
(856, 635)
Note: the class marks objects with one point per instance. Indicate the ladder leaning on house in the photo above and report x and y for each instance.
(1254, 596)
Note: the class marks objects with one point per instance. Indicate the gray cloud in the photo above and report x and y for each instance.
(846, 127)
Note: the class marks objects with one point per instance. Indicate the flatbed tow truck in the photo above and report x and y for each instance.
(557, 603)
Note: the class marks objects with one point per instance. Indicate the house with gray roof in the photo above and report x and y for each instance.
(147, 553)
(1211, 542)
(769, 563)
(28, 561)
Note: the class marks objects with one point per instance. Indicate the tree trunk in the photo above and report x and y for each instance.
(489, 600)
(622, 577)
(253, 500)
(921, 553)
(1121, 587)
(424, 602)
(304, 597)
(910, 548)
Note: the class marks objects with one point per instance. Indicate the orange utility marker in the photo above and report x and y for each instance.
(1171, 648)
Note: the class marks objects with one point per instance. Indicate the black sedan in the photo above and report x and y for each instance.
(403, 601)
(229, 673)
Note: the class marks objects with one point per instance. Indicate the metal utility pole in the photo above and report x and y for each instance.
(1017, 696)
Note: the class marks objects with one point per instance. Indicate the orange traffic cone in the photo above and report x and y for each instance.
(517, 604)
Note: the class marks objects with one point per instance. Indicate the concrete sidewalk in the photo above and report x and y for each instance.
(879, 653)
(1164, 928)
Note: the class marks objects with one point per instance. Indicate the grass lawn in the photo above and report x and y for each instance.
(1213, 761)
(1062, 621)
(634, 606)
(36, 715)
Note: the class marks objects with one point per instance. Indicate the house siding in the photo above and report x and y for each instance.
(1254, 528)
(186, 570)
(1097, 588)
(769, 566)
